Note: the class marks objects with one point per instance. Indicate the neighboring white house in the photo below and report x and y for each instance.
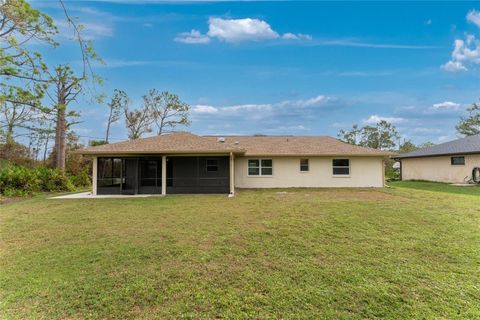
(187, 163)
(452, 161)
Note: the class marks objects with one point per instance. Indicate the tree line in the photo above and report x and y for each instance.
(39, 101)
(384, 135)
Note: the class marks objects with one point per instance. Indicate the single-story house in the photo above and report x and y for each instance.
(187, 163)
(452, 161)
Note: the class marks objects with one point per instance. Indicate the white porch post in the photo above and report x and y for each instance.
(232, 174)
(94, 175)
(164, 175)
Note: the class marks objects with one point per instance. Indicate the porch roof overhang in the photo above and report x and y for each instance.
(161, 153)
(181, 143)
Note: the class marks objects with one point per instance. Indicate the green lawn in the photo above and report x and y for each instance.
(396, 253)
(437, 186)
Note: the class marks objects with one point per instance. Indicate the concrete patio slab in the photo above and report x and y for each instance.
(89, 195)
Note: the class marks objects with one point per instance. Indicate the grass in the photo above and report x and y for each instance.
(437, 186)
(396, 253)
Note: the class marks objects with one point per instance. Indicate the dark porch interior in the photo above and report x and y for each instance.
(143, 175)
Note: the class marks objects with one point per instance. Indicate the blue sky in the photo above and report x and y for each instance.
(301, 68)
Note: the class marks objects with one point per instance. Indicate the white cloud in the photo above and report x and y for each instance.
(237, 30)
(248, 107)
(453, 66)
(192, 37)
(361, 44)
(465, 51)
(446, 105)
(287, 129)
(312, 102)
(204, 109)
(473, 16)
(90, 30)
(265, 108)
(374, 119)
(298, 36)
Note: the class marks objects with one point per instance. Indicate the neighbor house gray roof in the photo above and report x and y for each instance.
(466, 145)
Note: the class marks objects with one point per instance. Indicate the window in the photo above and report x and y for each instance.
(212, 165)
(260, 167)
(457, 161)
(304, 165)
(341, 167)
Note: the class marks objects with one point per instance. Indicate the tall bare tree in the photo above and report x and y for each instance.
(470, 125)
(116, 105)
(351, 136)
(167, 110)
(381, 136)
(14, 115)
(138, 122)
(67, 85)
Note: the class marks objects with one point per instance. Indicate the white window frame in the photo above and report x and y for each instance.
(349, 168)
(259, 168)
(308, 165)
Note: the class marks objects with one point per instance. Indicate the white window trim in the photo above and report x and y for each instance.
(300, 165)
(259, 175)
(342, 175)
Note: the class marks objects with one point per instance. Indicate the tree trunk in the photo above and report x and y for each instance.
(108, 131)
(9, 135)
(60, 132)
(46, 148)
(108, 125)
(60, 136)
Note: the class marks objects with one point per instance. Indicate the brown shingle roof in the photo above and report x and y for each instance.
(298, 146)
(179, 142)
(183, 142)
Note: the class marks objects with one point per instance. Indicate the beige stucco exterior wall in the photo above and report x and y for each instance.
(438, 168)
(364, 172)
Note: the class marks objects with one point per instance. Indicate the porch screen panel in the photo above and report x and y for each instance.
(204, 174)
(109, 175)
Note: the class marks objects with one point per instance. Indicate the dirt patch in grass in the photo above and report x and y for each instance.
(342, 194)
(10, 200)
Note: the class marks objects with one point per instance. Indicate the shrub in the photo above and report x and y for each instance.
(19, 181)
(81, 179)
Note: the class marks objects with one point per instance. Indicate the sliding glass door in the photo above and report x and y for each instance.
(150, 181)
(129, 176)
